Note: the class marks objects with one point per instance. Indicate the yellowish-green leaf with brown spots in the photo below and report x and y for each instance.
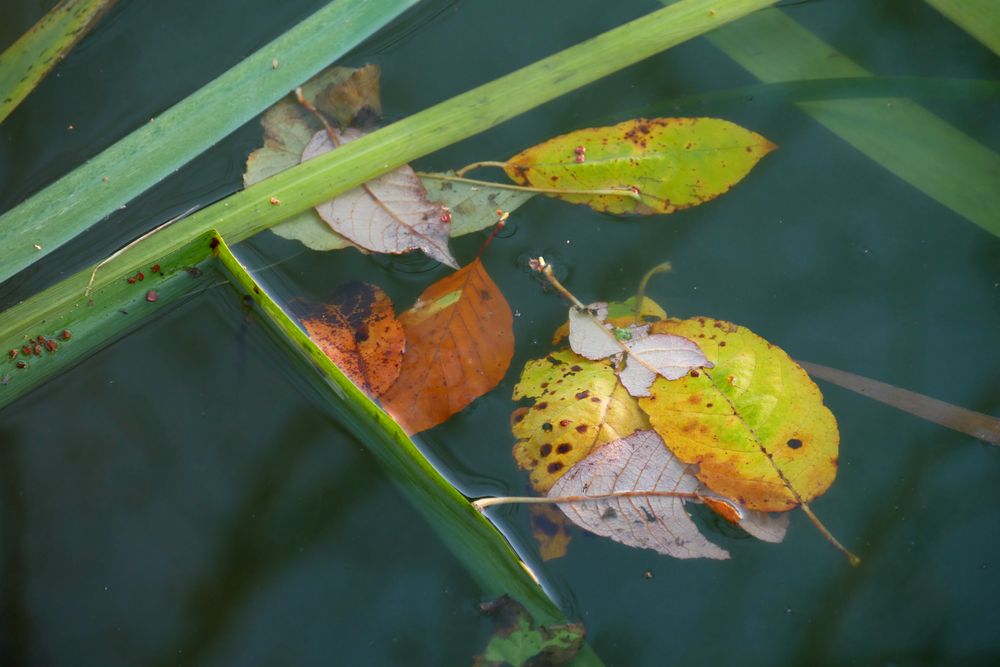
(578, 405)
(755, 424)
(671, 163)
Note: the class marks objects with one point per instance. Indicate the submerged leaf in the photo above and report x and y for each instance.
(359, 332)
(520, 643)
(473, 206)
(755, 424)
(389, 214)
(549, 527)
(672, 163)
(578, 405)
(459, 343)
(350, 99)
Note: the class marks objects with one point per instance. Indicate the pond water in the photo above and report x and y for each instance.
(182, 498)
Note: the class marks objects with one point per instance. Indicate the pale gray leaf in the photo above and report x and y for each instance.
(765, 526)
(389, 214)
(635, 468)
(588, 336)
(671, 356)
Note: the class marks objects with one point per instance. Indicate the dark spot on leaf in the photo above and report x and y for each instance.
(609, 513)
(583, 394)
(694, 398)
(214, 243)
(541, 406)
(555, 467)
(545, 450)
(564, 423)
(794, 443)
(649, 515)
(575, 368)
(485, 295)
(546, 427)
(564, 447)
(595, 399)
(582, 428)
(695, 374)
(708, 405)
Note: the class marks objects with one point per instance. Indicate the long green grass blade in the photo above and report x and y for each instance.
(317, 180)
(477, 544)
(979, 18)
(30, 58)
(87, 194)
(116, 308)
(900, 135)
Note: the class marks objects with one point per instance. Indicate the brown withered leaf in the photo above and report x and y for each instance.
(354, 99)
(359, 332)
(459, 343)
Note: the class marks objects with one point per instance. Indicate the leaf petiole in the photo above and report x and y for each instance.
(483, 503)
(458, 178)
(854, 560)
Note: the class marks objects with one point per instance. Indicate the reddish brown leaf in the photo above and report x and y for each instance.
(459, 345)
(358, 330)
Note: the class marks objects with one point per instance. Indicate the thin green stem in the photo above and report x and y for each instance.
(640, 294)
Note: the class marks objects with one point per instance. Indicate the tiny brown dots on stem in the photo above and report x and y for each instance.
(51, 345)
(155, 268)
(140, 276)
(274, 201)
(22, 364)
(36, 350)
(12, 354)
(26, 349)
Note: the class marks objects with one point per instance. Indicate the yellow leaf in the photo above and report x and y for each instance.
(578, 405)
(671, 163)
(755, 424)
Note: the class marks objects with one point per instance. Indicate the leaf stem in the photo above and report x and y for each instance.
(483, 503)
(640, 294)
(609, 192)
(854, 560)
(477, 165)
(539, 264)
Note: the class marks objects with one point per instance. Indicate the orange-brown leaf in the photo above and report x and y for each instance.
(359, 331)
(459, 345)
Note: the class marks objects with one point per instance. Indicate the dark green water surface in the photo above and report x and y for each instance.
(182, 499)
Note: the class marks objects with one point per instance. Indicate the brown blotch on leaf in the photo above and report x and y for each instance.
(563, 448)
(545, 450)
(583, 394)
(554, 467)
(582, 428)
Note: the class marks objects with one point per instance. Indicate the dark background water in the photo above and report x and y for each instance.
(180, 499)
